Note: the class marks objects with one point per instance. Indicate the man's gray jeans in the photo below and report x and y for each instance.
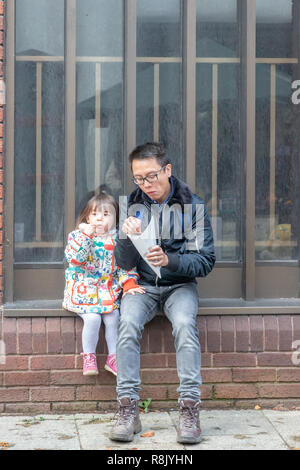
(180, 305)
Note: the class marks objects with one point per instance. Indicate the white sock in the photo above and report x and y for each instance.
(90, 332)
(111, 322)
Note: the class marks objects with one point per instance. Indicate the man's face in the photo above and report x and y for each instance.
(158, 189)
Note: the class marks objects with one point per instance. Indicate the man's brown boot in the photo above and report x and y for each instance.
(128, 423)
(189, 431)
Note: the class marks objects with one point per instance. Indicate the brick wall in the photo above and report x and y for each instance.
(245, 361)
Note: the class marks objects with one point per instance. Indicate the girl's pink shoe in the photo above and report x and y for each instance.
(89, 364)
(111, 364)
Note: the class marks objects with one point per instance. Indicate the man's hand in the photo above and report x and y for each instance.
(132, 226)
(140, 290)
(157, 257)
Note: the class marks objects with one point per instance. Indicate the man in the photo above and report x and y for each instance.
(184, 251)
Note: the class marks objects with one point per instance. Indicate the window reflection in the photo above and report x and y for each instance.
(99, 110)
(39, 131)
(218, 122)
(159, 77)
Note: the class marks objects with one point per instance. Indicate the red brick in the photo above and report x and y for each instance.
(52, 362)
(68, 335)
(156, 392)
(234, 360)
(285, 332)
(227, 334)
(216, 375)
(10, 335)
(27, 408)
(296, 327)
(256, 333)
(279, 390)
(271, 332)
(53, 335)
(201, 324)
(74, 377)
(242, 333)
(26, 378)
(171, 360)
(78, 334)
(159, 376)
(288, 375)
(39, 337)
(274, 359)
(99, 392)
(254, 375)
(154, 360)
(14, 394)
(15, 363)
(206, 359)
(156, 335)
(213, 334)
(235, 391)
(52, 394)
(24, 336)
(144, 343)
(168, 338)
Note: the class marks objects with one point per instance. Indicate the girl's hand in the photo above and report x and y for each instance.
(88, 229)
(132, 226)
(140, 290)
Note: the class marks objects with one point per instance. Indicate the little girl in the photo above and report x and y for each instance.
(93, 280)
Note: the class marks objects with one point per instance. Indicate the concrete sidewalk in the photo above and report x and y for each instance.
(222, 430)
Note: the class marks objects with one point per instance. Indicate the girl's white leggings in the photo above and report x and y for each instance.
(91, 327)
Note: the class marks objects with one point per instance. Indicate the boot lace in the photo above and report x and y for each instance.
(189, 416)
(126, 414)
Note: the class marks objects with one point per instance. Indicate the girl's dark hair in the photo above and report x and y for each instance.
(102, 200)
(150, 150)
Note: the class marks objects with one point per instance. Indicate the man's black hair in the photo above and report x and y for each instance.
(150, 150)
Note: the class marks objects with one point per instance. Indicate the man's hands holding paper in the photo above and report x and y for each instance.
(156, 256)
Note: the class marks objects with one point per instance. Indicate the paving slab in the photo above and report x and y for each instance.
(94, 433)
(30, 433)
(287, 424)
(221, 430)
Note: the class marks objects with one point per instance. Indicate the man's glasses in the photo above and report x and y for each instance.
(139, 180)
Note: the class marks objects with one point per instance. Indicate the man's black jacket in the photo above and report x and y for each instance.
(184, 233)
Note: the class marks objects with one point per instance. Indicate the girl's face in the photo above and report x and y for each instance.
(102, 218)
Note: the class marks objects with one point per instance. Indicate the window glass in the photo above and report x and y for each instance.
(277, 142)
(159, 77)
(99, 101)
(39, 131)
(217, 28)
(100, 28)
(274, 27)
(218, 122)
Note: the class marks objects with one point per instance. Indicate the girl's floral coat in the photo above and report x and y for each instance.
(93, 281)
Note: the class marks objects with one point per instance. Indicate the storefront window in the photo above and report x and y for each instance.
(159, 77)
(99, 101)
(218, 122)
(276, 134)
(39, 131)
